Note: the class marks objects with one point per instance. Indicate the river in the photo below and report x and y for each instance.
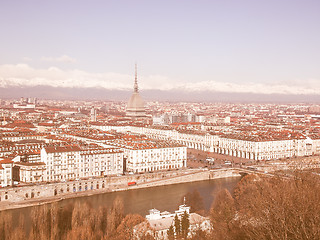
(163, 198)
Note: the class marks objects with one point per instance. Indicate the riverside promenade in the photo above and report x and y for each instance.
(18, 197)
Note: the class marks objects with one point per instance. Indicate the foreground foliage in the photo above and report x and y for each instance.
(272, 208)
(259, 208)
(71, 222)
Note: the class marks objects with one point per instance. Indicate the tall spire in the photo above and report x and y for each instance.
(135, 107)
(136, 88)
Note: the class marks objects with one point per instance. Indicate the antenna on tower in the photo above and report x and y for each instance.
(136, 88)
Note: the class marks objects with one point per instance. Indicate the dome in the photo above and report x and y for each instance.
(135, 107)
(135, 103)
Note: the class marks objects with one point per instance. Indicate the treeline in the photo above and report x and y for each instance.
(269, 208)
(72, 222)
(258, 208)
(264, 208)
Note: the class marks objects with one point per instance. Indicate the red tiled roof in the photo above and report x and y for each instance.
(46, 124)
(62, 149)
(6, 160)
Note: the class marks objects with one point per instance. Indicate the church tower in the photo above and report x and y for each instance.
(135, 107)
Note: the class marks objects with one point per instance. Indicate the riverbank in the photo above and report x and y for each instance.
(60, 191)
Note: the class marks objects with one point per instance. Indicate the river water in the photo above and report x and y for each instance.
(163, 198)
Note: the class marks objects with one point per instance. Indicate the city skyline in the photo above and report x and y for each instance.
(182, 47)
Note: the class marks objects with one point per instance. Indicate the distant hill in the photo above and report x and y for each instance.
(46, 92)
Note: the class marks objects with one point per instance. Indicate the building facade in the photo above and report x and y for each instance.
(69, 163)
(156, 159)
(249, 148)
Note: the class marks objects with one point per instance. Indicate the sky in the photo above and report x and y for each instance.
(247, 46)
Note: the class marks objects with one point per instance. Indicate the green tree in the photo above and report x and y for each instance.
(200, 235)
(185, 224)
(177, 226)
(170, 233)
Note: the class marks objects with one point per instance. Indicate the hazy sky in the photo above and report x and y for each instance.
(270, 46)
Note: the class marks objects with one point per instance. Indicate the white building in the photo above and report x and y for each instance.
(316, 146)
(6, 166)
(239, 147)
(146, 155)
(31, 172)
(101, 162)
(158, 223)
(65, 163)
(142, 154)
(155, 159)
(93, 115)
(24, 106)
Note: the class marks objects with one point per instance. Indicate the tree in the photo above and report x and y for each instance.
(177, 226)
(102, 217)
(86, 222)
(81, 212)
(64, 218)
(222, 213)
(270, 208)
(185, 224)
(146, 236)
(115, 217)
(170, 233)
(145, 232)
(246, 184)
(19, 230)
(6, 225)
(125, 229)
(53, 221)
(200, 235)
(41, 222)
(284, 208)
(83, 232)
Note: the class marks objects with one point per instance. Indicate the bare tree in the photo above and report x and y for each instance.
(125, 229)
(222, 214)
(270, 208)
(115, 216)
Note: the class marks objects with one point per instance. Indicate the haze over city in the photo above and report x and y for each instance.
(159, 120)
(185, 50)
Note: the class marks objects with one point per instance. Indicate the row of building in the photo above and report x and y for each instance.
(261, 146)
(79, 155)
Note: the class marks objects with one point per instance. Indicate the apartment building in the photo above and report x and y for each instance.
(146, 155)
(245, 144)
(31, 172)
(6, 169)
(141, 160)
(71, 162)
